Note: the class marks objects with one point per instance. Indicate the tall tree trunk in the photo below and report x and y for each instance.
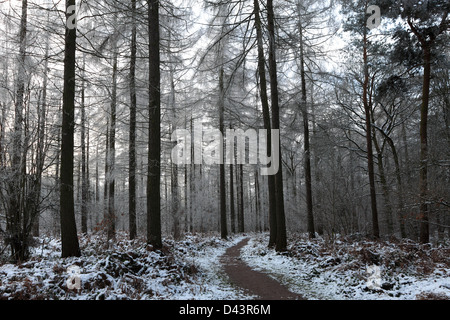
(232, 211)
(88, 184)
(132, 137)
(426, 41)
(370, 162)
(111, 221)
(69, 239)
(241, 220)
(267, 122)
(175, 199)
(106, 183)
(175, 212)
(317, 170)
(304, 110)
(222, 189)
(238, 194)
(84, 190)
(25, 195)
(257, 204)
(423, 171)
(154, 143)
(15, 182)
(2, 134)
(57, 189)
(186, 199)
(423, 176)
(281, 242)
(192, 182)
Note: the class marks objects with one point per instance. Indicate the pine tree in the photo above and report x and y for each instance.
(427, 21)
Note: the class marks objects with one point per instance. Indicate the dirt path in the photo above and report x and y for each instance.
(254, 282)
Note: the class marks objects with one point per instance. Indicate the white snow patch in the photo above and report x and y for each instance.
(183, 270)
(317, 274)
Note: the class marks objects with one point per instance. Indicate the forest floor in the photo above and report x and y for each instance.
(204, 267)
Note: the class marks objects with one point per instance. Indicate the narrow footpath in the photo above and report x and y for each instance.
(252, 281)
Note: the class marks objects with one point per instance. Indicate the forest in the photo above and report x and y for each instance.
(154, 123)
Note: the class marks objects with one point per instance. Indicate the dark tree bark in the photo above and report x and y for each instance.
(421, 18)
(232, 211)
(423, 176)
(267, 122)
(69, 239)
(111, 220)
(257, 203)
(304, 111)
(232, 208)
(241, 219)
(370, 162)
(57, 180)
(281, 242)
(84, 185)
(106, 183)
(132, 137)
(175, 199)
(192, 181)
(222, 189)
(154, 143)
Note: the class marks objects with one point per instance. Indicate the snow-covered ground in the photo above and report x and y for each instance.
(190, 269)
(338, 269)
(186, 269)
